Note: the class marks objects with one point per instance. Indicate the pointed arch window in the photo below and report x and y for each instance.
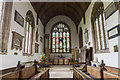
(99, 28)
(29, 29)
(61, 38)
(80, 38)
(28, 38)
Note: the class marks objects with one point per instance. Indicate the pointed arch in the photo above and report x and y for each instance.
(29, 31)
(80, 37)
(99, 31)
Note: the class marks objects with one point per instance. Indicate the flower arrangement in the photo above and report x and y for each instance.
(43, 59)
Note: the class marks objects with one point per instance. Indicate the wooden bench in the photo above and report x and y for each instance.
(113, 69)
(43, 75)
(96, 73)
(4, 71)
(79, 75)
(11, 75)
(26, 73)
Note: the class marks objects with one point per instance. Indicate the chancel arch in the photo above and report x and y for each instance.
(69, 22)
(61, 38)
(29, 31)
(99, 28)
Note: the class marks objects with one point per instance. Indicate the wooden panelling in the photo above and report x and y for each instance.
(8, 70)
(109, 75)
(79, 75)
(11, 75)
(42, 75)
(61, 61)
(28, 72)
(93, 71)
(74, 54)
(25, 73)
(113, 69)
(48, 53)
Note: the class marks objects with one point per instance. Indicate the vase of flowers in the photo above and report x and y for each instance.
(43, 59)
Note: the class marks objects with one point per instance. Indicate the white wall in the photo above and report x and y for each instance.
(10, 60)
(110, 59)
(67, 20)
(119, 41)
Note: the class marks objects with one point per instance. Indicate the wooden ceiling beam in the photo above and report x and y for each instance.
(83, 12)
(72, 17)
(74, 6)
(80, 8)
(40, 8)
(47, 10)
(59, 12)
(65, 8)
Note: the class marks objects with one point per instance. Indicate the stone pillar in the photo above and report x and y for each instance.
(5, 26)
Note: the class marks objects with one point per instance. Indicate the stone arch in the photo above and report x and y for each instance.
(30, 18)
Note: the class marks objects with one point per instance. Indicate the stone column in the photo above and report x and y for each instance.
(5, 26)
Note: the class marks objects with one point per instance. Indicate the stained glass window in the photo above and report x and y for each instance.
(60, 38)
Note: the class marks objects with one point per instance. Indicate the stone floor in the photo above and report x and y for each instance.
(61, 71)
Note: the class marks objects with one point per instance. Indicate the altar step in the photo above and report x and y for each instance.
(61, 72)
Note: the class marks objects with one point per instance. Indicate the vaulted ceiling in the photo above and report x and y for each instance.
(48, 10)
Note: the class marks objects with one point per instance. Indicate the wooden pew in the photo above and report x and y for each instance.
(79, 75)
(4, 71)
(108, 75)
(26, 73)
(98, 72)
(113, 69)
(43, 75)
(11, 75)
(93, 71)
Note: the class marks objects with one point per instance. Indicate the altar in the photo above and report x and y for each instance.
(60, 61)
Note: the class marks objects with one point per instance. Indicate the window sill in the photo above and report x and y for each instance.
(102, 51)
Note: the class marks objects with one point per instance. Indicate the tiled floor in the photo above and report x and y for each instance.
(61, 71)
